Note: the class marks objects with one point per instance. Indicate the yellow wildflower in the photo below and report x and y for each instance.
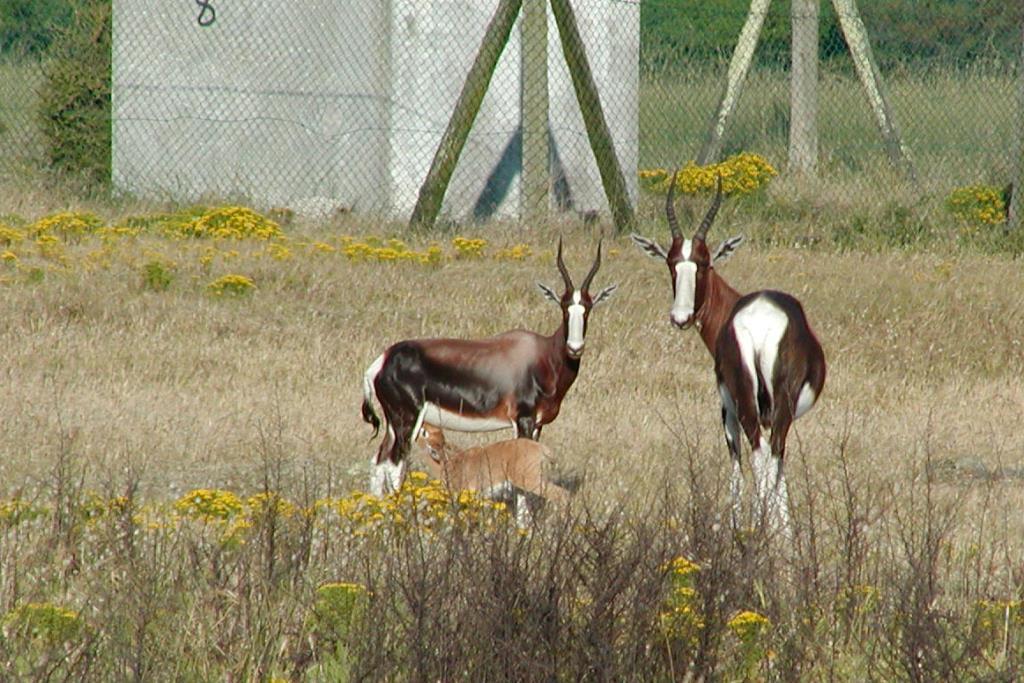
(231, 284)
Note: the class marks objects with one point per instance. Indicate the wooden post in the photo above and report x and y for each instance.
(867, 69)
(536, 183)
(1013, 216)
(739, 66)
(803, 101)
(593, 116)
(428, 204)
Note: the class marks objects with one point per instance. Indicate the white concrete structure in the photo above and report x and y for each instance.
(324, 104)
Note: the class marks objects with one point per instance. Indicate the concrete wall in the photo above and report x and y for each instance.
(281, 103)
(322, 104)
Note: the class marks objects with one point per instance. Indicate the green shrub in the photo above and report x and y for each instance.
(75, 96)
(28, 26)
(156, 276)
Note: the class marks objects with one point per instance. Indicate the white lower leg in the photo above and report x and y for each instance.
(760, 462)
(386, 477)
(736, 491)
(523, 516)
(779, 509)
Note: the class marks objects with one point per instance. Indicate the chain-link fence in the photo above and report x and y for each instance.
(323, 105)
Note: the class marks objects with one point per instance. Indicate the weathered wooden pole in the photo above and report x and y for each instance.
(428, 204)
(867, 69)
(1014, 219)
(803, 93)
(739, 66)
(535, 187)
(612, 180)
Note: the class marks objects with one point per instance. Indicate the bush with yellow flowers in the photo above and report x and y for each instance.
(209, 505)
(96, 507)
(977, 205)
(337, 607)
(468, 248)
(997, 620)
(680, 619)
(10, 236)
(17, 510)
(43, 641)
(741, 174)
(50, 247)
(66, 225)
(421, 501)
(518, 252)
(227, 222)
(231, 285)
(751, 629)
(42, 622)
(373, 249)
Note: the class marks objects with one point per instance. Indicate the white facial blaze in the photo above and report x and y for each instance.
(576, 311)
(686, 286)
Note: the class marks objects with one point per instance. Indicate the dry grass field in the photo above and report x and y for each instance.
(115, 378)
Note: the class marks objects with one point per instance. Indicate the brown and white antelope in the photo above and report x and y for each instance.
(516, 379)
(510, 470)
(769, 365)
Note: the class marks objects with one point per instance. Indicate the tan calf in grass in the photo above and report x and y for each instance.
(514, 470)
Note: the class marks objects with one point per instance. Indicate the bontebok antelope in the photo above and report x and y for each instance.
(769, 365)
(516, 379)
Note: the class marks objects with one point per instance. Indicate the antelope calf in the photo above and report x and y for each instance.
(516, 380)
(769, 365)
(511, 470)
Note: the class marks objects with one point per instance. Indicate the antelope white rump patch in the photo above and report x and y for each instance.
(371, 374)
(759, 327)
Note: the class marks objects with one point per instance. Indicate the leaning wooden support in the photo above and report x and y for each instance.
(867, 69)
(536, 184)
(593, 117)
(803, 100)
(428, 204)
(1014, 220)
(739, 66)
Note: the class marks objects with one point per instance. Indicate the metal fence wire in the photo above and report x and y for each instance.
(324, 106)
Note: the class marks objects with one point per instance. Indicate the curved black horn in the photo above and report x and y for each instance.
(702, 231)
(563, 270)
(593, 269)
(670, 209)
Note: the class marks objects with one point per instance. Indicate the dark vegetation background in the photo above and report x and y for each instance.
(903, 32)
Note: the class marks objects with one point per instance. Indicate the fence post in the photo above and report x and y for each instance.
(803, 101)
(431, 195)
(867, 69)
(1013, 216)
(739, 66)
(536, 184)
(593, 117)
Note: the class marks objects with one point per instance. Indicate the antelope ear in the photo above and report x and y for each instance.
(550, 293)
(726, 248)
(652, 248)
(604, 294)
